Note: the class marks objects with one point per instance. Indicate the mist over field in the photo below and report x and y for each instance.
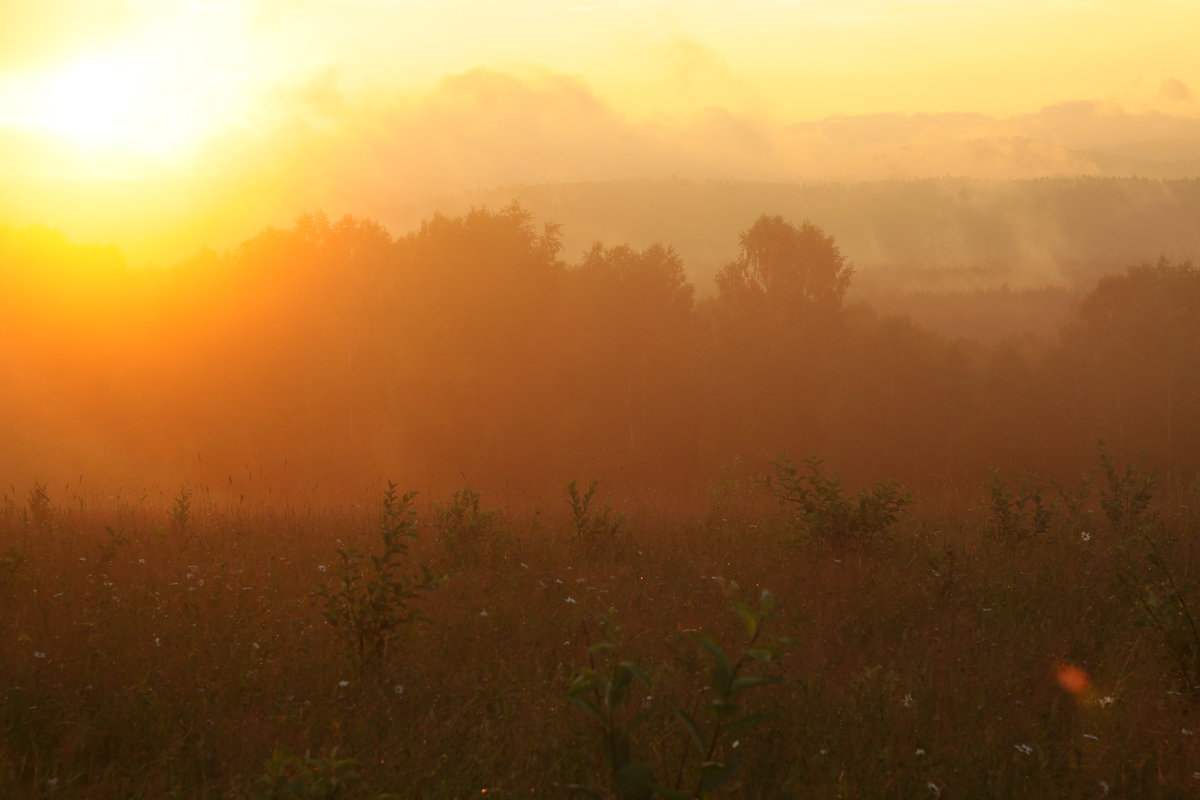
(624, 399)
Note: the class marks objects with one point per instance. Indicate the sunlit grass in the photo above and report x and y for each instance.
(140, 660)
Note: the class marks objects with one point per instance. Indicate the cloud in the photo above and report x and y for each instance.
(317, 145)
(1071, 138)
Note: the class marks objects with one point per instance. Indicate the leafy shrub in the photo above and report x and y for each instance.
(181, 511)
(592, 522)
(1021, 513)
(40, 509)
(462, 527)
(823, 511)
(603, 694)
(1168, 607)
(369, 608)
(1124, 496)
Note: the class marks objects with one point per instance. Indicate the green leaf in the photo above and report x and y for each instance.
(693, 730)
(636, 671)
(750, 681)
(763, 653)
(589, 707)
(722, 671)
(618, 689)
(585, 681)
(749, 618)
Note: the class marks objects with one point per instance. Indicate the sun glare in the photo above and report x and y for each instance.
(107, 103)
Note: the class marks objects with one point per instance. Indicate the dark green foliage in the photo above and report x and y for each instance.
(1020, 513)
(1167, 606)
(593, 522)
(706, 740)
(463, 528)
(369, 607)
(181, 511)
(602, 692)
(824, 512)
(1124, 496)
(40, 509)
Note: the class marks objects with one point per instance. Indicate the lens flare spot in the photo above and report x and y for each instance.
(1073, 679)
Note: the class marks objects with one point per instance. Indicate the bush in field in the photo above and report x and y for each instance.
(40, 510)
(1020, 513)
(463, 528)
(823, 511)
(593, 522)
(604, 694)
(1168, 606)
(181, 511)
(372, 601)
(1124, 496)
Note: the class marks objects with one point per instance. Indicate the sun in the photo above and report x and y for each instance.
(106, 102)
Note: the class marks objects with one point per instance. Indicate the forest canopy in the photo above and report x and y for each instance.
(331, 353)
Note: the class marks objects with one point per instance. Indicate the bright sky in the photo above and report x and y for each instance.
(155, 74)
(121, 89)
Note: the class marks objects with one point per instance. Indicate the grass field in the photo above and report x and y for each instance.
(183, 649)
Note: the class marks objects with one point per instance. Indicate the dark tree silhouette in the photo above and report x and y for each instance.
(798, 270)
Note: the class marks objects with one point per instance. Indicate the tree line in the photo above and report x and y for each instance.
(332, 351)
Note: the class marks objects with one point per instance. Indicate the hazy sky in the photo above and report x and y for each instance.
(130, 90)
